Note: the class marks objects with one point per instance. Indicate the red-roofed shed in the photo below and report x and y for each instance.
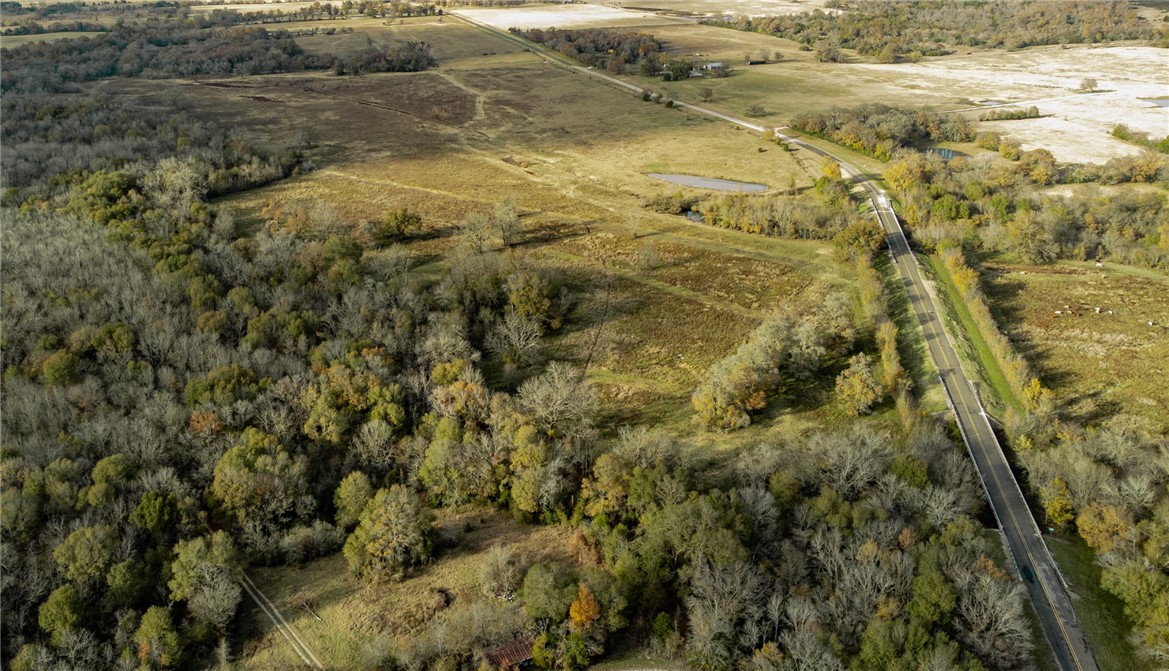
(513, 654)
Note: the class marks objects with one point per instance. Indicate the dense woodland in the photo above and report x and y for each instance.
(893, 31)
(198, 443)
(183, 399)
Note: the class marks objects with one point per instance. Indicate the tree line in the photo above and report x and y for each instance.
(1031, 112)
(987, 203)
(196, 46)
(879, 130)
(895, 31)
(1123, 132)
(781, 356)
(600, 48)
(34, 28)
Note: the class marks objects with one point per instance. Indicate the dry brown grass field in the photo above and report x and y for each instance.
(12, 41)
(659, 298)
(1103, 367)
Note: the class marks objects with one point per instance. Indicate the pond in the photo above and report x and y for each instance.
(1159, 102)
(709, 183)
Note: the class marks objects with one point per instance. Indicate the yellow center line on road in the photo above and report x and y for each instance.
(961, 399)
(942, 354)
(1027, 550)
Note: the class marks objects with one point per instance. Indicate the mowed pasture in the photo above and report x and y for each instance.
(1104, 367)
(355, 612)
(658, 298)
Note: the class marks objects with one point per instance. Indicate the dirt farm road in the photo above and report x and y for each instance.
(1034, 563)
(303, 651)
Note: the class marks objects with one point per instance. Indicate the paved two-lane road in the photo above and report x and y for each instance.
(1044, 584)
(1040, 575)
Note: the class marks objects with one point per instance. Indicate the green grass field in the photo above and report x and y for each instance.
(994, 391)
(1100, 612)
(1102, 367)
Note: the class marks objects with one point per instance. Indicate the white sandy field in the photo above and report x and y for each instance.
(1049, 78)
(563, 16)
(1075, 126)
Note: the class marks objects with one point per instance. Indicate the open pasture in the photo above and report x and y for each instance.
(450, 40)
(1102, 366)
(659, 298)
(1075, 127)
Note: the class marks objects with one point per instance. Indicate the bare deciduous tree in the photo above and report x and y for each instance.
(515, 339)
(506, 221)
(499, 575)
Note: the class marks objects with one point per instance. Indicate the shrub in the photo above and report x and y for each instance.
(303, 543)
